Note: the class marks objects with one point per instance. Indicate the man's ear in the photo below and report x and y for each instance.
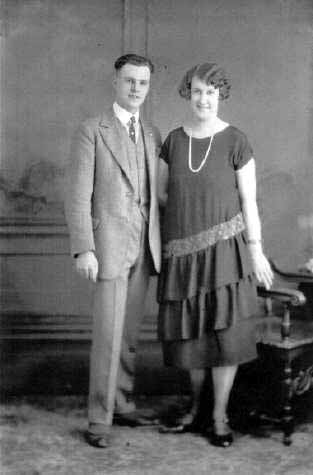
(114, 80)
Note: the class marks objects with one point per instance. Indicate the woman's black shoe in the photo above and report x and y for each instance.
(224, 440)
(225, 437)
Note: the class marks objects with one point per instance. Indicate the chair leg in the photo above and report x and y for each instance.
(287, 412)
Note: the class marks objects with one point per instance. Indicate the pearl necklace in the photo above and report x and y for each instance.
(196, 170)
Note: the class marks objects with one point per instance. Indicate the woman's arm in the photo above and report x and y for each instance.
(246, 181)
(162, 182)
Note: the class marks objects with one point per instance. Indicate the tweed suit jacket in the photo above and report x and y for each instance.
(100, 193)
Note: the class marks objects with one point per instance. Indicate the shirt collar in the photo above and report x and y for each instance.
(123, 115)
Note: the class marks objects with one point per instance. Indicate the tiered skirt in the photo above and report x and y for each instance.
(208, 306)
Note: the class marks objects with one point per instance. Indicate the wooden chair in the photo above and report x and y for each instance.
(285, 347)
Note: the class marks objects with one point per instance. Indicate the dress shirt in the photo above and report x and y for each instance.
(124, 117)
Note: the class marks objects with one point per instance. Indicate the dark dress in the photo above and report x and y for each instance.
(206, 289)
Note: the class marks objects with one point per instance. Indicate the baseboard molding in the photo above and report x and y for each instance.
(49, 354)
(35, 326)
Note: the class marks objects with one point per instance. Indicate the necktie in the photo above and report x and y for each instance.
(131, 130)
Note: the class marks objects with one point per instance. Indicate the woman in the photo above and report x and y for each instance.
(212, 246)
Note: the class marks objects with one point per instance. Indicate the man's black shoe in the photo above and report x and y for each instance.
(101, 441)
(134, 419)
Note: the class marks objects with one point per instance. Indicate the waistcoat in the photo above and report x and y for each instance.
(138, 169)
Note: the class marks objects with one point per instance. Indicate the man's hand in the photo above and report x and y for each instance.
(87, 265)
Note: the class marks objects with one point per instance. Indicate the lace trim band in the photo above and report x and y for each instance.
(209, 237)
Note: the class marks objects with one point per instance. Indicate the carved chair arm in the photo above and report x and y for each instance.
(289, 298)
(297, 277)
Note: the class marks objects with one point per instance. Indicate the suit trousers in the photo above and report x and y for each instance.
(117, 316)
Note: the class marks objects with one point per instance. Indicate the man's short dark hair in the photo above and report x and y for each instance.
(134, 59)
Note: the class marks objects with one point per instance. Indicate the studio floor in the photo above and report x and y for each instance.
(43, 434)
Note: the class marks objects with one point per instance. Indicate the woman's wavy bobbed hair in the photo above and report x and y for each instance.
(210, 73)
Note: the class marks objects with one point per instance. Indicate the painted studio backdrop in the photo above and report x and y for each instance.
(57, 65)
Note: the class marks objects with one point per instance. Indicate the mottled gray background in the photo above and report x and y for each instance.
(57, 58)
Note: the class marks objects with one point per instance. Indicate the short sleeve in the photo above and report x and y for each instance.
(242, 152)
(164, 153)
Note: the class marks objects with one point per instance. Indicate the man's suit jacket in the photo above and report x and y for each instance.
(100, 193)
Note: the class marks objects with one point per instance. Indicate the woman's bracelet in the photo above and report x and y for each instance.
(254, 241)
(255, 245)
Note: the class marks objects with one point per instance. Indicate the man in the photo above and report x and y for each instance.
(113, 219)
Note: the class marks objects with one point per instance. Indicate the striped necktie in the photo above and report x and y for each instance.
(131, 129)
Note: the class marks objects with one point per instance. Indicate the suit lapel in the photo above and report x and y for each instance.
(111, 136)
(150, 150)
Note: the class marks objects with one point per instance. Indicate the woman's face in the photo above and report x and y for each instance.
(203, 99)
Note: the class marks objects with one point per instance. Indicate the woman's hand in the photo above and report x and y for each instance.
(247, 190)
(261, 266)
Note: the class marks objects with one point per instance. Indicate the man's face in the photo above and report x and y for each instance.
(131, 86)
